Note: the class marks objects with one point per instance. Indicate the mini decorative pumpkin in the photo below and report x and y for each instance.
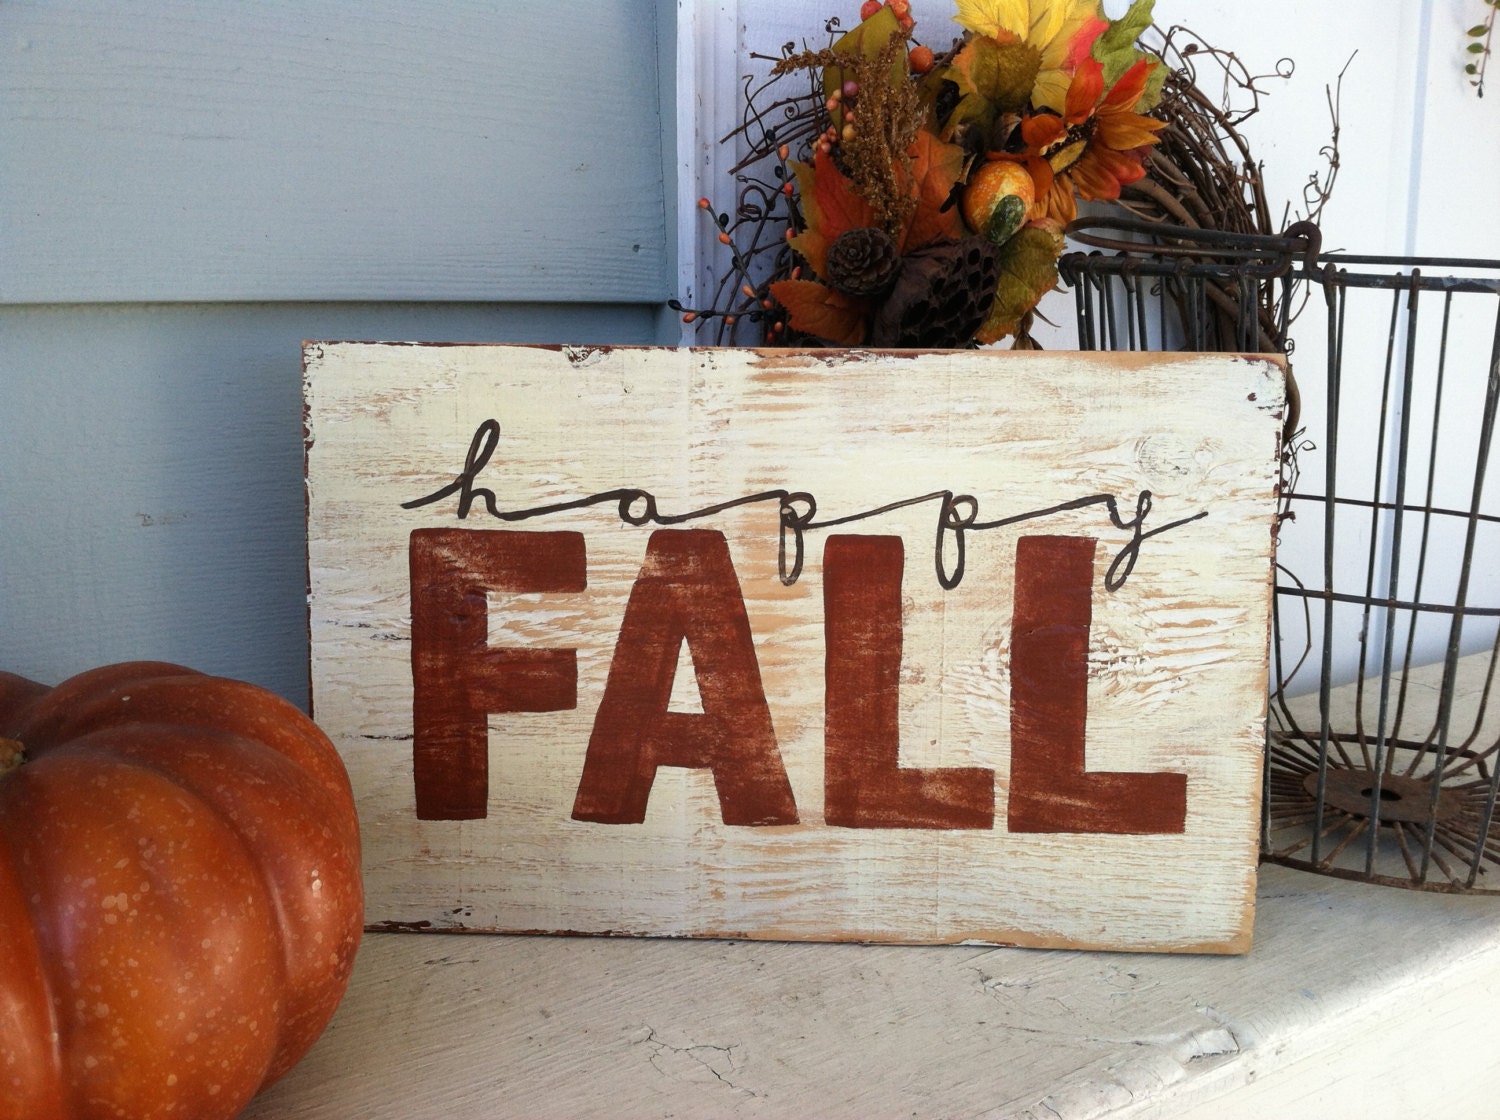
(180, 893)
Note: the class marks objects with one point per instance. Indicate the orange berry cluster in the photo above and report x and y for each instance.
(901, 8)
(921, 58)
(845, 96)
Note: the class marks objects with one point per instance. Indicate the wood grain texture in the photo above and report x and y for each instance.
(1176, 655)
(289, 150)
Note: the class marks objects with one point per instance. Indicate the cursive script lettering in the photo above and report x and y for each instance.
(958, 515)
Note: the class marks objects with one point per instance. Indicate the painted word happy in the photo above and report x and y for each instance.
(687, 591)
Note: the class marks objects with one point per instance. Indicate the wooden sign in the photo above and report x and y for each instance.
(932, 647)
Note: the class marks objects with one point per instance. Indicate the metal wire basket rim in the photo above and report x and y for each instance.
(1174, 249)
(1301, 239)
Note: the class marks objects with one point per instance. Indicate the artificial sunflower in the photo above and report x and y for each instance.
(1093, 148)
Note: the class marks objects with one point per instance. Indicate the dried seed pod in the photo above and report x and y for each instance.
(941, 297)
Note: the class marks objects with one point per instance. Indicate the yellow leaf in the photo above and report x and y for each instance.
(997, 19)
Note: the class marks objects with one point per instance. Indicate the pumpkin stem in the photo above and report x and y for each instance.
(12, 754)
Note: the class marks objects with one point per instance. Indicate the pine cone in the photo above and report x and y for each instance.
(941, 297)
(863, 263)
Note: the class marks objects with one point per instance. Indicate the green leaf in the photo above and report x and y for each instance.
(1472, 68)
(975, 111)
(1115, 49)
(1001, 73)
(1028, 270)
(867, 41)
(1476, 48)
(1151, 95)
(975, 67)
(1478, 31)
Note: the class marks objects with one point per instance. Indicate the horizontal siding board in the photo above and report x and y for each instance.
(151, 472)
(335, 151)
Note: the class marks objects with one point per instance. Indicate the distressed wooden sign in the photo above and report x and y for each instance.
(930, 647)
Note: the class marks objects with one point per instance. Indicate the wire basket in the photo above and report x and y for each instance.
(1383, 742)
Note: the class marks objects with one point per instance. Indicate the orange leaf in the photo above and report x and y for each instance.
(935, 167)
(807, 193)
(840, 206)
(810, 243)
(820, 311)
(811, 247)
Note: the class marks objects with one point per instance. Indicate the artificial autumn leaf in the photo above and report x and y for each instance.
(1060, 31)
(821, 312)
(810, 244)
(935, 168)
(1117, 52)
(1001, 74)
(840, 207)
(973, 113)
(830, 208)
(867, 40)
(1028, 271)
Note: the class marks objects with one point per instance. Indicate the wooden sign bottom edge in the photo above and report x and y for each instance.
(1237, 945)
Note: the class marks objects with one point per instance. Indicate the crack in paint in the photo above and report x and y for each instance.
(695, 1052)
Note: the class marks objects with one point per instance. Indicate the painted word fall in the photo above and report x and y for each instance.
(687, 590)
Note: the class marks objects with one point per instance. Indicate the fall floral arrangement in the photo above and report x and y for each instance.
(920, 198)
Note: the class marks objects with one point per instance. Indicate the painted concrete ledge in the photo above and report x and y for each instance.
(1356, 1000)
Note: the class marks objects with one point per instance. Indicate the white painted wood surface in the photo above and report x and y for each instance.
(1176, 662)
(309, 149)
(1356, 1001)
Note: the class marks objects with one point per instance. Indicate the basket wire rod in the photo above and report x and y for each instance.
(1417, 873)
(1163, 288)
(1104, 294)
(1080, 306)
(1379, 500)
(1101, 311)
(1365, 503)
(1139, 283)
(1439, 731)
(1267, 772)
(1249, 323)
(1394, 604)
(1296, 741)
(1384, 755)
(1486, 434)
(1284, 314)
(1336, 298)
(1368, 826)
(1127, 308)
(1202, 311)
(1092, 287)
(1176, 286)
(1111, 322)
(1088, 313)
(1463, 761)
(1193, 335)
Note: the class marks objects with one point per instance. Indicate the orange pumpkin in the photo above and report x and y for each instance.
(180, 894)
